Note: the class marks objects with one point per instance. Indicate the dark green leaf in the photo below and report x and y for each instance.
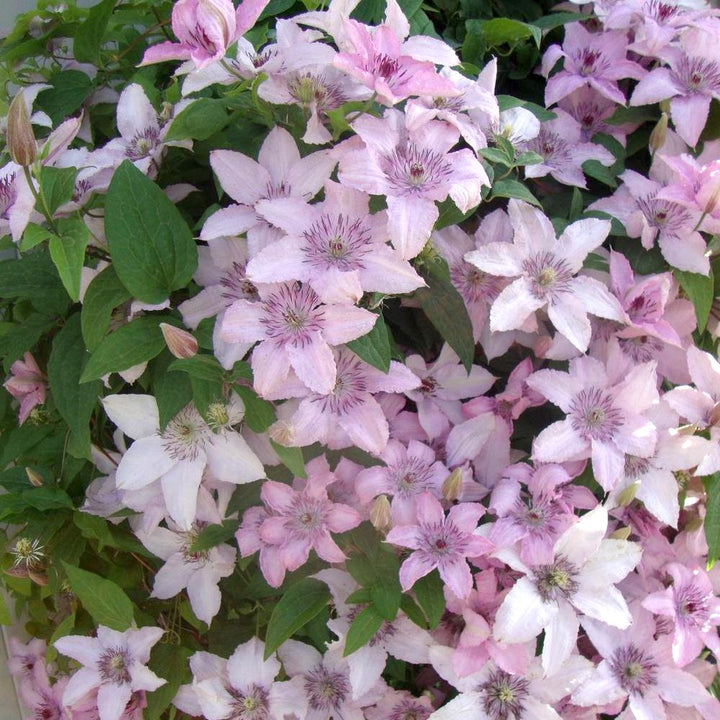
(131, 344)
(57, 186)
(386, 592)
(302, 602)
(359, 597)
(103, 295)
(528, 158)
(153, 250)
(35, 277)
(168, 661)
(68, 92)
(75, 402)
(34, 235)
(623, 115)
(429, 594)
(413, 611)
(509, 188)
(501, 31)
(446, 310)
(203, 367)
(47, 498)
(700, 289)
(505, 102)
(68, 253)
(172, 391)
(556, 19)
(599, 172)
(259, 413)
(374, 348)
(213, 535)
(494, 155)
(712, 516)
(199, 120)
(362, 629)
(292, 458)
(90, 33)
(450, 214)
(102, 598)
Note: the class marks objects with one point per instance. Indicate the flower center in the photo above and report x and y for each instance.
(634, 670)
(251, 705)
(293, 315)
(556, 580)
(326, 690)
(594, 415)
(549, 275)
(504, 695)
(185, 435)
(337, 242)
(113, 666)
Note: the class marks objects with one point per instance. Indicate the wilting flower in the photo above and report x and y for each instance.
(28, 384)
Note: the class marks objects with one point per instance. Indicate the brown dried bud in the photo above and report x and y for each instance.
(380, 515)
(659, 133)
(20, 137)
(180, 342)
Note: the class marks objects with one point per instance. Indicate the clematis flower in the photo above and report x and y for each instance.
(441, 542)
(294, 329)
(412, 166)
(336, 246)
(545, 267)
(205, 28)
(597, 60)
(603, 420)
(114, 663)
(179, 454)
(28, 384)
(582, 577)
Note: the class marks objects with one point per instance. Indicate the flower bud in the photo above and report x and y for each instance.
(380, 515)
(622, 533)
(628, 494)
(20, 137)
(180, 342)
(282, 433)
(34, 478)
(452, 485)
(659, 133)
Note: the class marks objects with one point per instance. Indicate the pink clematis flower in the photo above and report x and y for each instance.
(114, 663)
(294, 329)
(205, 28)
(596, 60)
(441, 542)
(279, 172)
(694, 608)
(604, 417)
(28, 384)
(545, 269)
(336, 246)
(302, 520)
(582, 577)
(411, 165)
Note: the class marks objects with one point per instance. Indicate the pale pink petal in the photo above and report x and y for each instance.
(180, 488)
(410, 222)
(603, 603)
(498, 258)
(204, 595)
(145, 461)
(270, 365)
(135, 113)
(366, 425)
(608, 463)
(173, 577)
(314, 364)
(231, 460)
(112, 699)
(228, 222)
(514, 305)
(596, 298)
(136, 415)
(523, 614)
(243, 322)
(416, 566)
(581, 238)
(560, 442)
(560, 638)
(279, 262)
(558, 387)
(345, 322)
(242, 178)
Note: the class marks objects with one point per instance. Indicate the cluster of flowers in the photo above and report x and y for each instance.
(575, 576)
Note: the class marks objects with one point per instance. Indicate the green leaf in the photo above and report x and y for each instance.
(386, 592)
(75, 402)
(172, 391)
(429, 593)
(34, 235)
(131, 344)
(34, 277)
(199, 120)
(359, 597)
(446, 310)
(494, 155)
(700, 289)
(712, 516)
(63, 629)
(529, 158)
(501, 31)
(374, 348)
(509, 188)
(505, 102)
(47, 498)
(103, 295)
(152, 248)
(413, 611)
(450, 214)
(57, 185)
(292, 458)
(168, 661)
(5, 617)
(203, 367)
(213, 535)
(259, 413)
(599, 172)
(68, 92)
(103, 599)
(362, 629)
(68, 253)
(557, 19)
(300, 604)
(90, 33)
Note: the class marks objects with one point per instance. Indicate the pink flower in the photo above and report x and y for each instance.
(441, 542)
(412, 166)
(597, 60)
(545, 267)
(294, 329)
(114, 663)
(27, 383)
(603, 420)
(302, 520)
(205, 28)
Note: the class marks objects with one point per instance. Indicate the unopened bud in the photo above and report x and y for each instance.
(659, 133)
(180, 342)
(542, 346)
(622, 533)
(20, 137)
(452, 485)
(34, 478)
(39, 578)
(282, 433)
(628, 494)
(380, 515)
